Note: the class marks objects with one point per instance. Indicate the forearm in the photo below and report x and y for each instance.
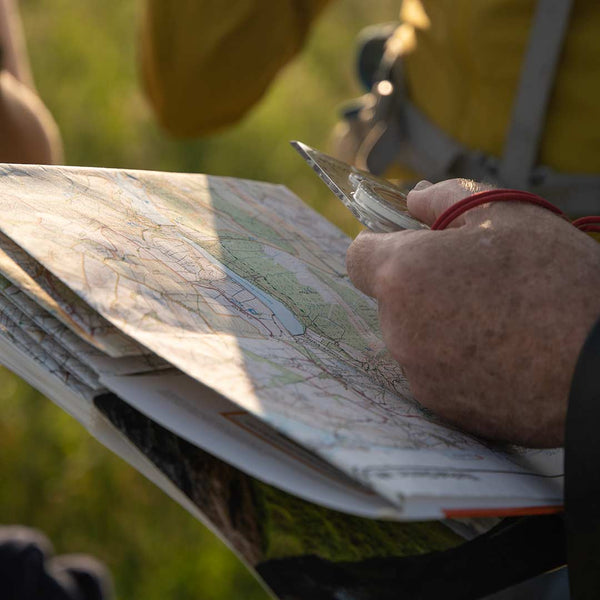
(12, 43)
(28, 133)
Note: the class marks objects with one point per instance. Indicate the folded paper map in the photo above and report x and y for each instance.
(221, 309)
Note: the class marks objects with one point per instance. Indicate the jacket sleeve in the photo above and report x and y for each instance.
(582, 461)
(205, 63)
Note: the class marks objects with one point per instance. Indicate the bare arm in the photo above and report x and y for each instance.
(28, 133)
(12, 43)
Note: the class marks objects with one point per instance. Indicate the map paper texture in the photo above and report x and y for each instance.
(57, 299)
(59, 367)
(243, 287)
(235, 436)
(99, 362)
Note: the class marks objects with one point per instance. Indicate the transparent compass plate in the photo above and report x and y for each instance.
(374, 201)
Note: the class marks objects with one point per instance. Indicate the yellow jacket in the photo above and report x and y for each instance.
(205, 63)
(464, 70)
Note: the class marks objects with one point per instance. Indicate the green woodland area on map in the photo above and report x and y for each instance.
(54, 475)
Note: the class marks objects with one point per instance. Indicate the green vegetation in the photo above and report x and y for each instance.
(54, 475)
(294, 528)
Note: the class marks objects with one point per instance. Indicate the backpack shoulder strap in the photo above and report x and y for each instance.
(548, 31)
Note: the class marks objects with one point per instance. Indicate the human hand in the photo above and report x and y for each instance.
(487, 317)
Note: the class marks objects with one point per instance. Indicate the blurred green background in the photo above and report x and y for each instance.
(54, 476)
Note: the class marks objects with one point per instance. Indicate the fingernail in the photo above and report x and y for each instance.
(422, 185)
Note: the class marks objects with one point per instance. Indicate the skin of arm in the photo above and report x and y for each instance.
(488, 317)
(28, 133)
(14, 53)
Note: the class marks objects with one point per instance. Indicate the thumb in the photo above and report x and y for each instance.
(428, 202)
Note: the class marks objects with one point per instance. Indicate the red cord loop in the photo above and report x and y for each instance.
(590, 228)
(502, 195)
(588, 224)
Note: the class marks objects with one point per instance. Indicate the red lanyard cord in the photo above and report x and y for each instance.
(585, 224)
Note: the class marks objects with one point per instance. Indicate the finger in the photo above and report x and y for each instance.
(361, 257)
(370, 253)
(422, 185)
(429, 202)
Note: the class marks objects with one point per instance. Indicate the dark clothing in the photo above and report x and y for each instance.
(28, 571)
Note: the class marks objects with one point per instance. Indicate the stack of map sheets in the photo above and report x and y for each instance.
(221, 309)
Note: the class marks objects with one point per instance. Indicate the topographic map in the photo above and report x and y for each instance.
(243, 287)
